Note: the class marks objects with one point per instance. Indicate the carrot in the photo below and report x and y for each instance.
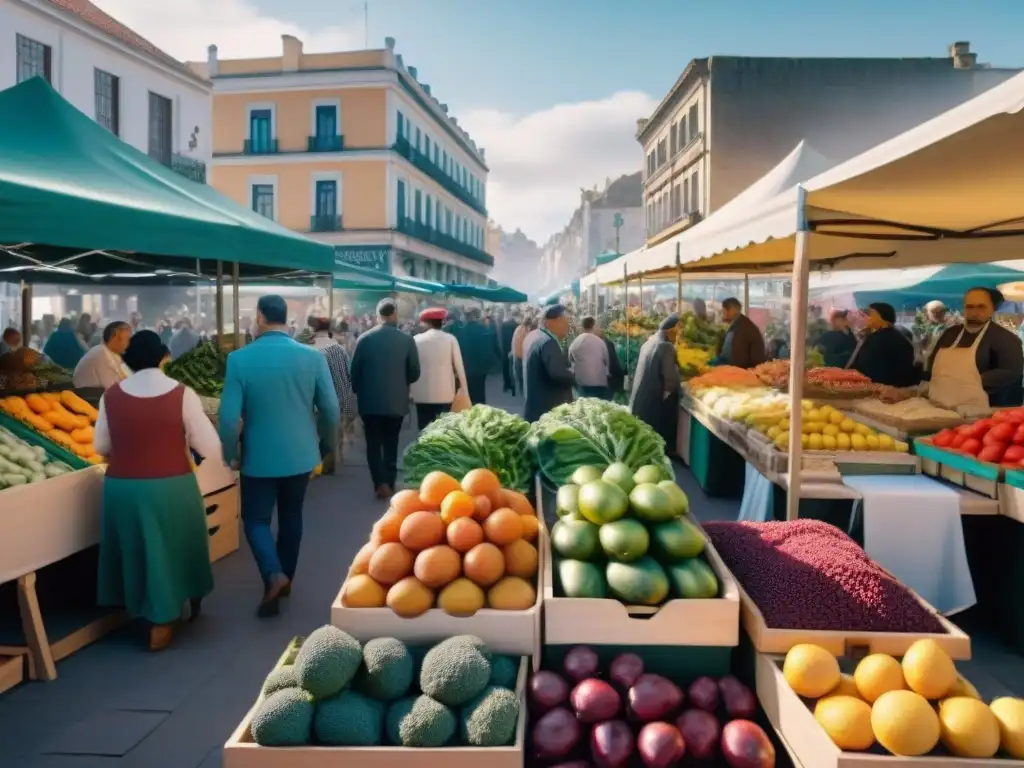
(77, 405)
(83, 435)
(53, 397)
(36, 421)
(95, 459)
(84, 451)
(63, 418)
(61, 438)
(38, 403)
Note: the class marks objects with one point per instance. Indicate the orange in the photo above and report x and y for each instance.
(410, 597)
(520, 559)
(406, 502)
(457, 504)
(386, 529)
(482, 506)
(530, 526)
(483, 564)
(361, 591)
(518, 502)
(464, 534)
(480, 482)
(437, 485)
(421, 530)
(390, 563)
(361, 562)
(438, 566)
(503, 526)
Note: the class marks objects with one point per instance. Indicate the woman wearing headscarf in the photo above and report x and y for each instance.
(64, 347)
(154, 545)
(340, 365)
(977, 364)
(655, 396)
(885, 355)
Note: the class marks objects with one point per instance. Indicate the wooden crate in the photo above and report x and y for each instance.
(241, 751)
(773, 640)
(12, 671)
(509, 632)
(794, 722)
(959, 469)
(223, 522)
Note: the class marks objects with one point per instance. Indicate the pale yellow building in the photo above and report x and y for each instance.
(354, 150)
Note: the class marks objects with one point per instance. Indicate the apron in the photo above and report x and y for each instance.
(956, 381)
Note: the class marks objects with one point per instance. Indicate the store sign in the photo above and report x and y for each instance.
(376, 257)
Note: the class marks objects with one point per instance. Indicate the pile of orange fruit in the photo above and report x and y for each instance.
(454, 545)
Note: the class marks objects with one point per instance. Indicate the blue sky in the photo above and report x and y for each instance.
(553, 88)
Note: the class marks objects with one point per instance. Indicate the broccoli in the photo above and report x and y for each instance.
(283, 719)
(327, 661)
(490, 719)
(282, 677)
(455, 671)
(504, 671)
(419, 722)
(387, 670)
(349, 720)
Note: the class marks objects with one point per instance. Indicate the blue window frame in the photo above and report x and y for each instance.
(437, 217)
(419, 138)
(400, 131)
(326, 198)
(326, 121)
(426, 146)
(429, 212)
(263, 199)
(401, 201)
(447, 221)
(419, 206)
(260, 133)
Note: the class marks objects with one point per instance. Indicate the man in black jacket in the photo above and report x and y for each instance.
(506, 331)
(885, 355)
(743, 344)
(549, 381)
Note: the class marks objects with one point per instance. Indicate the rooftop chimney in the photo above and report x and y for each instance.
(389, 43)
(444, 108)
(211, 61)
(426, 88)
(962, 56)
(292, 53)
(483, 153)
(412, 71)
(398, 59)
(641, 123)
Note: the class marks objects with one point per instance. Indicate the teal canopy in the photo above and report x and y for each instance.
(948, 285)
(69, 187)
(496, 294)
(607, 257)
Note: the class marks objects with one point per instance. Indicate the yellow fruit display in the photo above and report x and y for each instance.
(846, 687)
(968, 728)
(847, 721)
(1009, 714)
(511, 594)
(461, 598)
(410, 597)
(905, 723)
(811, 671)
(877, 674)
(928, 669)
(963, 687)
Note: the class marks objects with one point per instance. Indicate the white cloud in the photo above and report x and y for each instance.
(185, 28)
(540, 161)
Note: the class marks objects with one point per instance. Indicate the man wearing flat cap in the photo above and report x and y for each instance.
(441, 369)
(885, 355)
(384, 366)
(655, 396)
(549, 381)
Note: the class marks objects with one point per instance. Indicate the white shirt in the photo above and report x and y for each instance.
(588, 357)
(199, 430)
(99, 367)
(440, 363)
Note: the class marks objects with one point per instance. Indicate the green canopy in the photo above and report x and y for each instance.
(496, 294)
(948, 285)
(349, 277)
(74, 195)
(607, 257)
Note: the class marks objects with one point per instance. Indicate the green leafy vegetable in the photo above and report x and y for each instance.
(481, 437)
(592, 432)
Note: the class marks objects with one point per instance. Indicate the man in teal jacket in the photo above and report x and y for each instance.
(278, 397)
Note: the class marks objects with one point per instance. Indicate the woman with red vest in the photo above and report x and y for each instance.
(154, 545)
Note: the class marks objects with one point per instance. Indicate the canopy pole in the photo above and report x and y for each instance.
(640, 283)
(797, 344)
(26, 314)
(746, 292)
(219, 301)
(199, 293)
(625, 312)
(330, 300)
(236, 309)
(679, 281)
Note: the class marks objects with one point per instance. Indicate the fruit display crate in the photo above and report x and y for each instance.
(810, 745)
(509, 632)
(223, 522)
(12, 671)
(959, 468)
(1011, 495)
(767, 639)
(30, 436)
(240, 751)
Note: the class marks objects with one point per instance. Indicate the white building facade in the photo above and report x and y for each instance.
(113, 75)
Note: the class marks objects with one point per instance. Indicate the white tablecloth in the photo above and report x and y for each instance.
(758, 491)
(912, 528)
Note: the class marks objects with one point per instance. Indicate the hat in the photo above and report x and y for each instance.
(434, 313)
(386, 307)
(553, 312)
(669, 323)
(885, 311)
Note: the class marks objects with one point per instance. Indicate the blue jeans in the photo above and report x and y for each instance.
(259, 495)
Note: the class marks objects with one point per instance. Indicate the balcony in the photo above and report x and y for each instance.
(189, 168)
(251, 147)
(431, 236)
(324, 223)
(325, 143)
(436, 172)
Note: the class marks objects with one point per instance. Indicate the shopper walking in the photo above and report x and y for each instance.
(481, 354)
(154, 545)
(655, 395)
(63, 346)
(441, 369)
(384, 365)
(279, 400)
(548, 378)
(340, 367)
(507, 331)
(588, 357)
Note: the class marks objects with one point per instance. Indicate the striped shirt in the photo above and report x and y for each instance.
(338, 364)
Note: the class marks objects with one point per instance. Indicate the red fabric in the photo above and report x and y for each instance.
(147, 435)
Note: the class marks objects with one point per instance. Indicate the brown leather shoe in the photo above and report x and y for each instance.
(271, 603)
(160, 636)
(381, 492)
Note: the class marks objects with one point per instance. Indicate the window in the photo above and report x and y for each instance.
(400, 129)
(34, 58)
(673, 140)
(326, 199)
(401, 201)
(437, 216)
(695, 193)
(326, 121)
(426, 146)
(447, 221)
(693, 122)
(683, 138)
(261, 137)
(107, 88)
(686, 195)
(418, 138)
(436, 158)
(674, 197)
(418, 197)
(429, 217)
(160, 128)
(263, 199)
(444, 157)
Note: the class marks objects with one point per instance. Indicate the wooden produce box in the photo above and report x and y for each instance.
(959, 468)
(811, 747)
(12, 671)
(241, 751)
(508, 632)
(607, 621)
(1011, 495)
(773, 640)
(223, 522)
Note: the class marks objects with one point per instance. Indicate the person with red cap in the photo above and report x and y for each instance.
(441, 368)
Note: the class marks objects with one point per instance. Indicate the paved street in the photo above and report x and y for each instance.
(115, 705)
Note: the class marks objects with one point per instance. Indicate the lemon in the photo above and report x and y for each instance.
(836, 417)
(877, 674)
(846, 687)
(858, 442)
(905, 723)
(848, 425)
(928, 669)
(968, 728)
(773, 432)
(830, 429)
(784, 424)
(847, 721)
(885, 442)
(862, 429)
(805, 441)
(814, 415)
(814, 441)
(817, 426)
(843, 441)
(902, 447)
(828, 442)
(782, 441)
(1010, 714)
(873, 442)
(810, 670)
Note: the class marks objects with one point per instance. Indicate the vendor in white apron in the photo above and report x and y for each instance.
(979, 364)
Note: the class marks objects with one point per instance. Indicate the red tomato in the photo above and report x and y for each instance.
(1000, 433)
(1018, 436)
(1001, 415)
(964, 429)
(1014, 454)
(992, 453)
(958, 441)
(971, 445)
(943, 438)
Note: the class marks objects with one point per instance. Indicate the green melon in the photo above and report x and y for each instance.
(601, 502)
